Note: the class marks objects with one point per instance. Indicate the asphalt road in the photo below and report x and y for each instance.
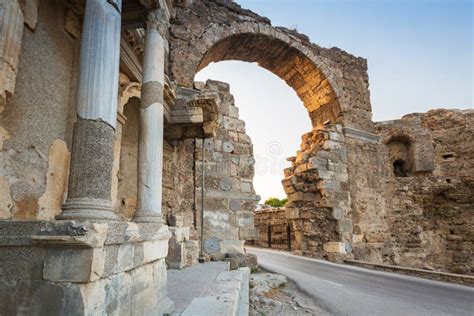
(348, 290)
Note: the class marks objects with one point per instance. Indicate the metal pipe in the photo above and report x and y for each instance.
(201, 253)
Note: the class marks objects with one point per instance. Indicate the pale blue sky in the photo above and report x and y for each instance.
(420, 57)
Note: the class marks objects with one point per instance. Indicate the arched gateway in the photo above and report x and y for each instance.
(332, 84)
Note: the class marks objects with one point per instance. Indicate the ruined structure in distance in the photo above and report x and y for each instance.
(103, 134)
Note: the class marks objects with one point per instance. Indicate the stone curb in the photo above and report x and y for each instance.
(227, 297)
(427, 274)
(244, 301)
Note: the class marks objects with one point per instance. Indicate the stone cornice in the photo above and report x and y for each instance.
(129, 60)
(361, 135)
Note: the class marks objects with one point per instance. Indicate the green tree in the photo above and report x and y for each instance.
(276, 202)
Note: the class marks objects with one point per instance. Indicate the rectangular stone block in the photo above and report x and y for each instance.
(74, 264)
(317, 163)
(335, 247)
(344, 226)
(154, 250)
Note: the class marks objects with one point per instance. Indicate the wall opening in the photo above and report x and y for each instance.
(401, 155)
(400, 168)
(128, 171)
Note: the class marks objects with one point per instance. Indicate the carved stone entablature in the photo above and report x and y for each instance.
(195, 115)
(208, 101)
(135, 39)
(130, 56)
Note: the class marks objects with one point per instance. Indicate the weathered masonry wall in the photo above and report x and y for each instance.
(430, 205)
(36, 121)
(229, 196)
(400, 196)
(367, 173)
(318, 194)
(339, 183)
(273, 223)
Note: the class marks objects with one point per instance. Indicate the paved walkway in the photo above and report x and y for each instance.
(189, 283)
(348, 290)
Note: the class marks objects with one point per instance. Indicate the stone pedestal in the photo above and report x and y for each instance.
(83, 268)
(182, 251)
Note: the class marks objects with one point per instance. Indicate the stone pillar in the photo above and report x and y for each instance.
(89, 192)
(150, 147)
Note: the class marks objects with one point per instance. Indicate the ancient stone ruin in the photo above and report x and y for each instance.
(108, 146)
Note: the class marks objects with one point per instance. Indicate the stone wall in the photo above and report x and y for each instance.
(402, 196)
(275, 220)
(430, 208)
(367, 173)
(178, 183)
(229, 198)
(36, 122)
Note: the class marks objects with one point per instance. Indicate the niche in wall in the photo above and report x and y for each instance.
(401, 155)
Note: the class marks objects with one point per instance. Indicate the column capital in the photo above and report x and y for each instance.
(157, 20)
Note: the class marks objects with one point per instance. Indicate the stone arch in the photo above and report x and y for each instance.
(287, 62)
(128, 91)
(332, 84)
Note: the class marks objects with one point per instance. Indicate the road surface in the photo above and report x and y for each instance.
(348, 290)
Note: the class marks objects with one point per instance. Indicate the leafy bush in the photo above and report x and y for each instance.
(276, 202)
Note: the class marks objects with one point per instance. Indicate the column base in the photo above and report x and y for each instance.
(87, 209)
(148, 217)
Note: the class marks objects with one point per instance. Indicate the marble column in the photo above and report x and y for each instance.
(90, 176)
(150, 146)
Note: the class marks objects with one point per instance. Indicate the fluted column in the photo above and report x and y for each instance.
(150, 146)
(90, 176)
